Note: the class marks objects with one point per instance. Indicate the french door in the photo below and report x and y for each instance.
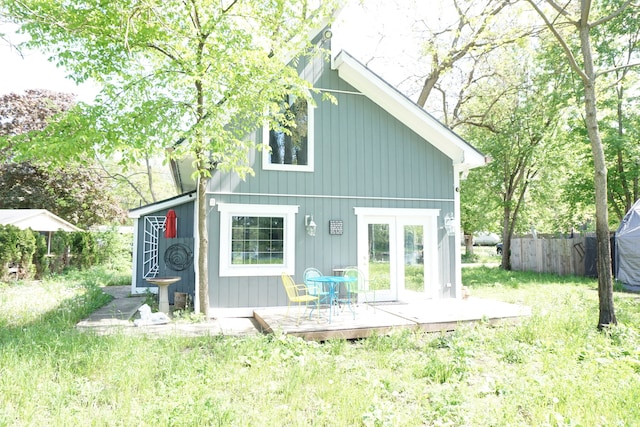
(398, 253)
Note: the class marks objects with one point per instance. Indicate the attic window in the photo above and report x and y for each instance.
(290, 148)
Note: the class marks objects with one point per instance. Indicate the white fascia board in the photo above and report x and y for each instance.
(407, 112)
(36, 219)
(167, 204)
(54, 222)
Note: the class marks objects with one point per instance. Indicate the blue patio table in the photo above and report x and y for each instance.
(333, 284)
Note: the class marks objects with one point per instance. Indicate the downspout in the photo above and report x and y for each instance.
(457, 275)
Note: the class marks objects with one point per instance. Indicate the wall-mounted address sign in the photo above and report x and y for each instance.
(335, 226)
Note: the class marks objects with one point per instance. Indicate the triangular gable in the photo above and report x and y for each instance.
(35, 219)
(350, 70)
(463, 154)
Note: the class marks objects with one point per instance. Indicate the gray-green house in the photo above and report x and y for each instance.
(377, 176)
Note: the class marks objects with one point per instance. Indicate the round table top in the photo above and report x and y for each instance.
(163, 280)
(335, 279)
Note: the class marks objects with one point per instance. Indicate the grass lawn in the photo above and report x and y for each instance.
(554, 369)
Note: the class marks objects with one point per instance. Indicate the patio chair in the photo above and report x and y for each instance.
(360, 286)
(297, 293)
(315, 288)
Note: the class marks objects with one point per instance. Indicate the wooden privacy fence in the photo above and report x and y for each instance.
(564, 256)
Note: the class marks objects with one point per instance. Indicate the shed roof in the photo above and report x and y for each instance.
(162, 204)
(35, 219)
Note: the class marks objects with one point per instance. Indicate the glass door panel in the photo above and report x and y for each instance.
(413, 258)
(379, 266)
(399, 253)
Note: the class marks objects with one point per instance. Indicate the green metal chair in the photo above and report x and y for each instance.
(360, 286)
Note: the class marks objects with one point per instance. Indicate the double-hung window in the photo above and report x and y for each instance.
(257, 240)
(290, 147)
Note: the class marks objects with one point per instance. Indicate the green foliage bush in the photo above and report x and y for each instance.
(91, 248)
(27, 250)
(16, 250)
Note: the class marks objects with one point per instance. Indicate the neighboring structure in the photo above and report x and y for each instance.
(372, 181)
(627, 247)
(40, 220)
(36, 219)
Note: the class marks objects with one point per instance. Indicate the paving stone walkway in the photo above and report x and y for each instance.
(117, 317)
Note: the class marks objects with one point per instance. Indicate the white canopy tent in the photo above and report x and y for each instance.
(40, 220)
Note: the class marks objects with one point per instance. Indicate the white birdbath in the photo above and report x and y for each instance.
(163, 284)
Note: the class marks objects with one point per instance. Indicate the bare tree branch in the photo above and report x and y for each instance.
(560, 39)
(614, 69)
(562, 10)
(122, 177)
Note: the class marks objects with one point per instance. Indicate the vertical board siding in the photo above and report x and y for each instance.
(185, 215)
(364, 157)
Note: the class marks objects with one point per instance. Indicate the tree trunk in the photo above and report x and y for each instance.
(605, 284)
(203, 247)
(506, 239)
(468, 243)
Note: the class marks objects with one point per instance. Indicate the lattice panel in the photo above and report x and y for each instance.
(153, 226)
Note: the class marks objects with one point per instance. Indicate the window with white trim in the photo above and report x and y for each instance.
(257, 240)
(290, 148)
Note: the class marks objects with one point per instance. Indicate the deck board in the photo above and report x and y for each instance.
(427, 315)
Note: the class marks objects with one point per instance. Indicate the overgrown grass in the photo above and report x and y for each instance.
(552, 369)
(481, 255)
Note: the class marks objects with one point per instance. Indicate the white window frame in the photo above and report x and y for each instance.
(266, 151)
(228, 211)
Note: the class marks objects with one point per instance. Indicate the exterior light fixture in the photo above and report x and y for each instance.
(310, 225)
(450, 224)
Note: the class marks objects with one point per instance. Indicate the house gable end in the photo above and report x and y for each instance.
(406, 111)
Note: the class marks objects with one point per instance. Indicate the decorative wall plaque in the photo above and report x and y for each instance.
(335, 226)
(178, 257)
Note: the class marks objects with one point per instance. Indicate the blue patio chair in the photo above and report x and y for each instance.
(360, 286)
(315, 288)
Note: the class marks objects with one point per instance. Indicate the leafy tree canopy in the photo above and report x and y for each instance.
(32, 110)
(204, 72)
(76, 194)
(72, 191)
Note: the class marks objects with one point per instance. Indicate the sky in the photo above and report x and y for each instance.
(358, 30)
(32, 70)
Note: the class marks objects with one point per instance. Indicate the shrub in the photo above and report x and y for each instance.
(41, 256)
(29, 251)
(16, 250)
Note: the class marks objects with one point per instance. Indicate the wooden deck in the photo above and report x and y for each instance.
(427, 315)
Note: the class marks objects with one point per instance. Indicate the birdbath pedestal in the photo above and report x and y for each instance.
(163, 284)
